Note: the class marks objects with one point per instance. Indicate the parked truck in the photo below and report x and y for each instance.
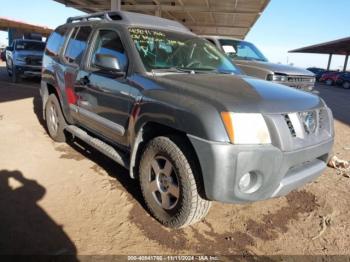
(253, 63)
(24, 59)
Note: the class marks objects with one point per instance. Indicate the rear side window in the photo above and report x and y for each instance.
(77, 44)
(55, 42)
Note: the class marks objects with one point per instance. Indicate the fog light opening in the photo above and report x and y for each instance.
(250, 182)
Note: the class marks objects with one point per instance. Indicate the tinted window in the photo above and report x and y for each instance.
(241, 50)
(77, 44)
(109, 43)
(55, 42)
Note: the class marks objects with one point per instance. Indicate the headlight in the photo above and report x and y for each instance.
(277, 78)
(246, 128)
(21, 58)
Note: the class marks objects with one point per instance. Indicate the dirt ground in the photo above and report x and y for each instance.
(60, 198)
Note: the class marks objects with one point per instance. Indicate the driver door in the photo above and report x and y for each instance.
(104, 96)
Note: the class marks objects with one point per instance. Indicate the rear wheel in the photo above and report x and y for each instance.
(169, 184)
(346, 85)
(55, 121)
(329, 82)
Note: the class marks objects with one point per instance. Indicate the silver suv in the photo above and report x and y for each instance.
(252, 62)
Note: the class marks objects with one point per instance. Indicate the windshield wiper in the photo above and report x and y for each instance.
(173, 69)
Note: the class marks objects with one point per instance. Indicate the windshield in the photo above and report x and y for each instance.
(30, 46)
(163, 50)
(241, 50)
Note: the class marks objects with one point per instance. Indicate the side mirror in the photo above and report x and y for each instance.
(9, 48)
(108, 62)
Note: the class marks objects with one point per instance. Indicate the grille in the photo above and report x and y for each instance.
(290, 126)
(298, 79)
(34, 61)
(299, 125)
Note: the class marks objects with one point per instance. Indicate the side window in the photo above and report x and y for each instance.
(77, 44)
(55, 42)
(108, 43)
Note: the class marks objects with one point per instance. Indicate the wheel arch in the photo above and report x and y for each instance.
(153, 129)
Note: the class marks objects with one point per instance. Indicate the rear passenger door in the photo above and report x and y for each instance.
(104, 97)
(72, 58)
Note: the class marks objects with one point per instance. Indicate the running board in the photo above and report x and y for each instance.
(98, 144)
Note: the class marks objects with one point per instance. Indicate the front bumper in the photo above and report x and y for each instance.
(224, 164)
(29, 70)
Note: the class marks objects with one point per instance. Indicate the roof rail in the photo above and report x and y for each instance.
(101, 15)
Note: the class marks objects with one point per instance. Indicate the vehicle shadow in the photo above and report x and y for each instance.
(10, 92)
(109, 166)
(25, 228)
(114, 170)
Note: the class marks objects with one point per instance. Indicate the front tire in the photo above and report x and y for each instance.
(169, 183)
(15, 76)
(55, 121)
(8, 70)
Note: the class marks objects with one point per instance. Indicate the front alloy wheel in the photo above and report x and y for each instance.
(164, 183)
(170, 184)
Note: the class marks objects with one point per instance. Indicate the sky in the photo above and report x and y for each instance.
(285, 25)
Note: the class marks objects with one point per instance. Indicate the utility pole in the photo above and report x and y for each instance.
(115, 5)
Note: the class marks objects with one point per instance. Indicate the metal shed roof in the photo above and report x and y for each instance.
(6, 23)
(207, 17)
(336, 47)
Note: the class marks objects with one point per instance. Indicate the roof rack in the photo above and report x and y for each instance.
(102, 15)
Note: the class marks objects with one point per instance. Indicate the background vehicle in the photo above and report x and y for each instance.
(343, 80)
(24, 58)
(317, 71)
(329, 77)
(252, 62)
(3, 54)
(174, 110)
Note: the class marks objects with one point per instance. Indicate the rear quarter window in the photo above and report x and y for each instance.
(55, 42)
(77, 44)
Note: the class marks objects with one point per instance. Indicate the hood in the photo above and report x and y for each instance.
(30, 53)
(238, 93)
(275, 68)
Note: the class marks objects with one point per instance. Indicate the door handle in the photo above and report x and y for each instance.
(84, 81)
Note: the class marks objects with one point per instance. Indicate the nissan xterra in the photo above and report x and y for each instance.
(174, 110)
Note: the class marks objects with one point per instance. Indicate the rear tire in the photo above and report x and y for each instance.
(169, 183)
(329, 82)
(55, 121)
(346, 85)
